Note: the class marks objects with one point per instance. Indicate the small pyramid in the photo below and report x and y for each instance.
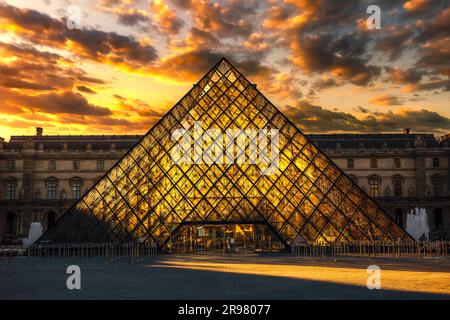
(149, 194)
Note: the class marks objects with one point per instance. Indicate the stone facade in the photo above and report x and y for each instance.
(408, 174)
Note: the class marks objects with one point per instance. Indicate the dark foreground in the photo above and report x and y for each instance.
(226, 277)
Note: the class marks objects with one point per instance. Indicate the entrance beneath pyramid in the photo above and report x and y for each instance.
(223, 238)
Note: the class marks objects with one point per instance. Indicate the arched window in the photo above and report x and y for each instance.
(75, 185)
(52, 188)
(374, 184)
(10, 188)
(397, 181)
(437, 181)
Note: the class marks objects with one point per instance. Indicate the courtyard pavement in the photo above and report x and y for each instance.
(243, 276)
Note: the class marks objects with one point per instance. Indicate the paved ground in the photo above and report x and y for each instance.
(226, 277)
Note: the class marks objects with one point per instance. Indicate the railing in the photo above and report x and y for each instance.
(7, 253)
(373, 249)
(133, 252)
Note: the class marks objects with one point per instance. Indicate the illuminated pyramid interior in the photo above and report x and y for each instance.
(147, 197)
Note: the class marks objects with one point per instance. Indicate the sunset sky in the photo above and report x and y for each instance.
(132, 60)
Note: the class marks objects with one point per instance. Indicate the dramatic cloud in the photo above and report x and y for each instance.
(230, 20)
(165, 18)
(390, 42)
(67, 102)
(344, 57)
(132, 59)
(312, 118)
(106, 47)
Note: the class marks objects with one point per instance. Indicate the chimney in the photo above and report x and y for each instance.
(406, 131)
(39, 131)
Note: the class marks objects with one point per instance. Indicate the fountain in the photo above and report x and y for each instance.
(34, 233)
(417, 223)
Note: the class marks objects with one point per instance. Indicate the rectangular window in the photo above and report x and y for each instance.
(437, 188)
(350, 163)
(51, 165)
(11, 165)
(374, 187)
(11, 191)
(51, 190)
(397, 187)
(76, 190)
(101, 165)
(373, 163)
(397, 163)
(436, 163)
(76, 164)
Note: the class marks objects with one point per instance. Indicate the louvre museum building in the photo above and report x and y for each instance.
(275, 188)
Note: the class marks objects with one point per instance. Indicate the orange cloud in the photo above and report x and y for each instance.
(386, 100)
(417, 5)
(165, 18)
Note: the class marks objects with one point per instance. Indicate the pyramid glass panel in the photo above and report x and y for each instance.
(224, 161)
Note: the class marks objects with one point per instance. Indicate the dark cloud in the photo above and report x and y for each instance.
(230, 19)
(321, 84)
(107, 47)
(20, 84)
(395, 41)
(361, 109)
(435, 27)
(386, 100)
(345, 57)
(132, 18)
(66, 102)
(32, 71)
(312, 118)
(435, 56)
(404, 76)
(85, 89)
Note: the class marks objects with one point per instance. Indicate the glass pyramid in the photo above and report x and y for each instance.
(147, 195)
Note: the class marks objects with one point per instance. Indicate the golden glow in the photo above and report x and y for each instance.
(146, 195)
(393, 279)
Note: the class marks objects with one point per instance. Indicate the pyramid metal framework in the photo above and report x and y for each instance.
(146, 196)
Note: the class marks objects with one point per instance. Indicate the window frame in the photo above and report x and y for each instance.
(52, 190)
(373, 163)
(11, 165)
(436, 163)
(11, 190)
(52, 165)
